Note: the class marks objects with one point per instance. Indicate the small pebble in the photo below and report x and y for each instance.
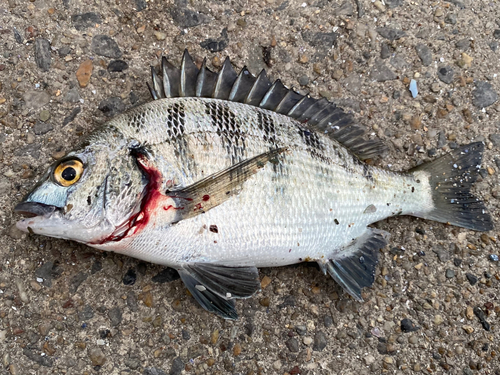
(97, 357)
(446, 74)
(277, 365)
(307, 340)
(85, 20)
(237, 349)
(408, 326)
(369, 359)
(42, 54)
(469, 312)
(147, 299)
(416, 122)
(304, 80)
(84, 73)
(265, 282)
(44, 115)
(159, 35)
(328, 321)
(320, 341)
(465, 61)
(265, 301)
(117, 66)
(468, 329)
(484, 95)
(115, 316)
(438, 319)
(301, 330)
(293, 345)
(130, 277)
(214, 337)
(104, 45)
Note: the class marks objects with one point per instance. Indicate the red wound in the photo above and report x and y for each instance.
(151, 201)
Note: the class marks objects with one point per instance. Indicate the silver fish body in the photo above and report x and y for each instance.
(217, 186)
(314, 201)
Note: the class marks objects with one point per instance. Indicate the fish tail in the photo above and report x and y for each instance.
(451, 178)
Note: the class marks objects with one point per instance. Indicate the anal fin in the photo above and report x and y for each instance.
(357, 270)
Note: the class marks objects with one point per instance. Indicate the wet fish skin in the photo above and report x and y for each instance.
(215, 188)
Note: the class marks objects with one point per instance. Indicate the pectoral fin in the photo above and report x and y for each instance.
(219, 187)
(207, 299)
(357, 270)
(214, 286)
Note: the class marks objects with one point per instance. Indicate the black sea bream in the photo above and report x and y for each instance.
(223, 173)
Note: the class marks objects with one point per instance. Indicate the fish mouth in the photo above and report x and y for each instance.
(32, 209)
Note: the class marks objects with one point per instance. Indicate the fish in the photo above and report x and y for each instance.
(225, 172)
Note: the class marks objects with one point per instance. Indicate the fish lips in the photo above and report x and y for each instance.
(33, 212)
(32, 209)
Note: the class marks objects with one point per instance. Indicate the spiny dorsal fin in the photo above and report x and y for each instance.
(225, 80)
(242, 86)
(318, 115)
(205, 82)
(171, 74)
(189, 73)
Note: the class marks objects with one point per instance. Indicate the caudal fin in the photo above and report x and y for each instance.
(451, 178)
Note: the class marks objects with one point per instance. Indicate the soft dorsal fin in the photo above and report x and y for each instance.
(318, 115)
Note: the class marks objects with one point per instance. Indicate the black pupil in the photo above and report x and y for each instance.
(69, 174)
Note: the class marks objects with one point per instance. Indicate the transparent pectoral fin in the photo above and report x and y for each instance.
(219, 187)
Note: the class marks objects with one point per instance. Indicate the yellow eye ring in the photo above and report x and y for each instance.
(68, 172)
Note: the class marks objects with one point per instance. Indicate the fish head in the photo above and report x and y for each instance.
(90, 195)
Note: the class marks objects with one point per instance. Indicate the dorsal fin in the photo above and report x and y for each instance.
(242, 86)
(205, 82)
(318, 115)
(225, 80)
(189, 73)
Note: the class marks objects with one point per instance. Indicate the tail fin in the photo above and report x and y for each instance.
(451, 178)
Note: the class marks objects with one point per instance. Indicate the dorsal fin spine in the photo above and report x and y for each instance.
(189, 73)
(316, 115)
(227, 77)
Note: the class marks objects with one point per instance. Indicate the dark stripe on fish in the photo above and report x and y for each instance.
(176, 127)
(227, 126)
(311, 139)
(266, 125)
(315, 147)
(176, 121)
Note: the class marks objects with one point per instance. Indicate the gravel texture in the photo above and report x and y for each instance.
(65, 66)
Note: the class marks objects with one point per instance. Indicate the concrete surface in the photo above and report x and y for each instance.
(65, 309)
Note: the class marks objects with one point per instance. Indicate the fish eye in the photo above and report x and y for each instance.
(68, 172)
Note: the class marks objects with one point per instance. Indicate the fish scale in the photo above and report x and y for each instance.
(224, 172)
